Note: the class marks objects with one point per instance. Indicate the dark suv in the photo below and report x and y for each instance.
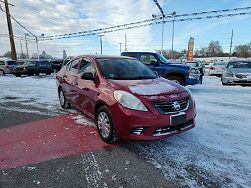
(56, 65)
(31, 68)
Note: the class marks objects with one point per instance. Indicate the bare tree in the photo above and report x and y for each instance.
(243, 50)
(214, 49)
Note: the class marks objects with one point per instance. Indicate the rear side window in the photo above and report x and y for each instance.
(148, 59)
(73, 66)
(2, 63)
(134, 55)
(11, 62)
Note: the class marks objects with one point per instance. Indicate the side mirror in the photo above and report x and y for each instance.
(87, 76)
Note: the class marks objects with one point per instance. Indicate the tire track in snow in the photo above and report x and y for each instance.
(93, 174)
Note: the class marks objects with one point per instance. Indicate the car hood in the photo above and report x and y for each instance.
(241, 71)
(148, 87)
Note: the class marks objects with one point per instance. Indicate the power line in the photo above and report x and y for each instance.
(18, 22)
(147, 21)
(121, 27)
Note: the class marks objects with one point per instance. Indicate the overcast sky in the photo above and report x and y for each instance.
(62, 16)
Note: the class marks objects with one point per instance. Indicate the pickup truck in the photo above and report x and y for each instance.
(179, 73)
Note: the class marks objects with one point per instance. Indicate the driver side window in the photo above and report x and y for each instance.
(148, 59)
(86, 66)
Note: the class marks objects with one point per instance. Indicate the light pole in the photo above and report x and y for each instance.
(162, 17)
(27, 51)
(36, 43)
(173, 14)
(101, 44)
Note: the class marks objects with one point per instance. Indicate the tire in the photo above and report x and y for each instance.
(177, 80)
(62, 100)
(48, 72)
(105, 125)
(30, 73)
(2, 73)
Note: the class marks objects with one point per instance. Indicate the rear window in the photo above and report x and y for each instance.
(239, 65)
(133, 55)
(12, 62)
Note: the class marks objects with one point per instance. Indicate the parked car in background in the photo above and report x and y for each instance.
(33, 67)
(56, 65)
(237, 73)
(126, 98)
(199, 66)
(7, 66)
(217, 69)
(179, 73)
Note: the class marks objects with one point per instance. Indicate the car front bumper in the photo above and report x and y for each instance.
(236, 81)
(138, 125)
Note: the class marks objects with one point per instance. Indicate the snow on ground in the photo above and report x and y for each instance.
(37, 91)
(216, 153)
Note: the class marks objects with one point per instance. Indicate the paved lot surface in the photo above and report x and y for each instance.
(214, 154)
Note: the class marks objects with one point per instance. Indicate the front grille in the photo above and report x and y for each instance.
(166, 107)
(243, 81)
(162, 131)
(240, 76)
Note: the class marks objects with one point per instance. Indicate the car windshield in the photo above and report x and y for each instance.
(30, 63)
(125, 69)
(11, 62)
(162, 58)
(192, 64)
(239, 65)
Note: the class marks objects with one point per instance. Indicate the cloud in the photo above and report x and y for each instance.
(55, 17)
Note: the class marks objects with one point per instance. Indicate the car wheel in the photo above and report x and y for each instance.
(30, 73)
(48, 72)
(177, 80)
(62, 100)
(2, 73)
(105, 125)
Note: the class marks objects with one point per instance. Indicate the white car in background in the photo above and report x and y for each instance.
(217, 69)
(237, 73)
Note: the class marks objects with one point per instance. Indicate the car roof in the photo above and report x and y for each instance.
(107, 57)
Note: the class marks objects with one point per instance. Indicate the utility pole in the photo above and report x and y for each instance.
(27, 51)
(101, 44)
(120, 48)
(231, 44)
(125, 43)
(11, 35)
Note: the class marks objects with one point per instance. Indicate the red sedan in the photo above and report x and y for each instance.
(126, 99)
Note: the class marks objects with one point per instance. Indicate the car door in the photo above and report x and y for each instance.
(86, 89)
(69, 80)
(151, 61)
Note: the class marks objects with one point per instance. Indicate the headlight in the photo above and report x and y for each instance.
(191, 100)
(129, 101)
(228, 74)
(194, 73)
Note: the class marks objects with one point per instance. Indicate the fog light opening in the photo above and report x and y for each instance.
(138, 131)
